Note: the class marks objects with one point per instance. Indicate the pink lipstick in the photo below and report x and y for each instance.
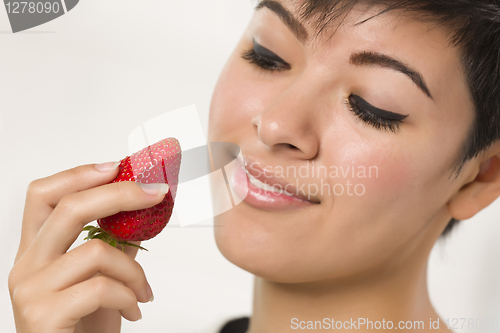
(262, 190)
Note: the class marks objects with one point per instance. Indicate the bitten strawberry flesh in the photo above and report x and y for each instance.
(158, 163)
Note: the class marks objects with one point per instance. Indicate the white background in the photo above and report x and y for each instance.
(72, 90)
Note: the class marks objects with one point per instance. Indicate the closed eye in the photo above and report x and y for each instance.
(265, 59)
(374, 116)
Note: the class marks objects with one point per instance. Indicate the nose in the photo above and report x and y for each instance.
(288, 126)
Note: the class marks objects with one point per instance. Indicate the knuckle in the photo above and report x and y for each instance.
(100, 285)
(96, 249)
(25, 295)
(139, 271)
(12, 280)
(130, 297)
(123, 190)
(21, 295)
(34, 315)
(35, 188)
(135, 273)
(125, 193)
(66, 205)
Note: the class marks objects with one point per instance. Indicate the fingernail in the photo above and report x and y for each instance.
(155, 188)
(106, 167)
(150, 293)
(140, 314)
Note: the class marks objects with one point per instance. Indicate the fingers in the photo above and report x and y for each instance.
(37, 309)
(52, 288)
(88, 296)
(93, 257)
(77, 209)
(44, 194)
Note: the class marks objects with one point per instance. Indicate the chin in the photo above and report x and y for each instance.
(259, 251)
(248, 248)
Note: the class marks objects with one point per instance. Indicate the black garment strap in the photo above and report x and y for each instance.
(239, 325)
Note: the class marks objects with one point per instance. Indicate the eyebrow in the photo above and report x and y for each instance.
(364, 58)
(367, 58)
(288, 19)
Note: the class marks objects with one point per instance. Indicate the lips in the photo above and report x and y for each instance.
(265, 176)
(263, 189)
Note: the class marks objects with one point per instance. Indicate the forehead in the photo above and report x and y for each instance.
(322, 18)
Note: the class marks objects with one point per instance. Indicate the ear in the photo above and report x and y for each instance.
(482, 191)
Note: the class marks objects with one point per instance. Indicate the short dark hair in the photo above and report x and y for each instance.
(473, 26)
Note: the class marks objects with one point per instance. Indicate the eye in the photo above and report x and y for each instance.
(265, 59)
(376, 117)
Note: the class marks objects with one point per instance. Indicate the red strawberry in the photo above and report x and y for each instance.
(158, 163)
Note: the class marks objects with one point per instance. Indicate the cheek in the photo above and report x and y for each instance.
(380, 171)
(384, 196)
(234, 101)
(388, 176)
(401, 195)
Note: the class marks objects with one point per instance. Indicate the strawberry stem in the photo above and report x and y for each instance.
(96, 232)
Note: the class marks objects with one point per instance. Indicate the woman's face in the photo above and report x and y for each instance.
(373, 185)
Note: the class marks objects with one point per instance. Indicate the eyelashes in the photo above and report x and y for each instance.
(380, 119)
(265, 59)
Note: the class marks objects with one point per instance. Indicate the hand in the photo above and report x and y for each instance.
(89, 288)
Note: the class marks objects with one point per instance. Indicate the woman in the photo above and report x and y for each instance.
(391, 107)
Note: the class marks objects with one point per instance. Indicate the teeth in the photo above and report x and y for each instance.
(264, 186)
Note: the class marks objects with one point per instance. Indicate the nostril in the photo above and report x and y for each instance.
(256, 122)
(289, 146)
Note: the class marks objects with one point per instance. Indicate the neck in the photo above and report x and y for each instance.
(397, 296)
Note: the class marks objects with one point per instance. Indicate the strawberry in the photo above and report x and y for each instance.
(158, 163)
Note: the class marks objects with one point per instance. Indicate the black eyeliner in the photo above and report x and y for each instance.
(263, 52)
(387, 115)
